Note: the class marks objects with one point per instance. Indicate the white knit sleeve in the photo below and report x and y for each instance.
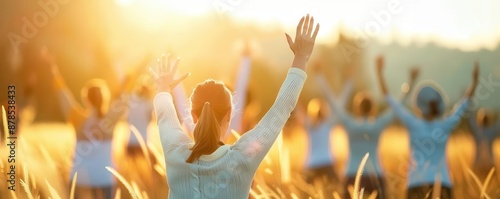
(171, 133)
(182, 106)
(255, 144)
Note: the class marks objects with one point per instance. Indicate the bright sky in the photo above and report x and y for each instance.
(464, 24)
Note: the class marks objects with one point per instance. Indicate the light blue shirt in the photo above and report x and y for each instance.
(428, 143)
(320, 150)
(484, 138)
(363, 134)
(364, 137)
(319, 145)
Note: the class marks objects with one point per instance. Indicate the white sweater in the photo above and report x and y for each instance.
(228, 172)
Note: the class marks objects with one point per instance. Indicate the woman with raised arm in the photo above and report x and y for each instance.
(140, 114)
(318, 125)
(364, 131)
(205, 167)
(139, 117)
(320, 162)
(239, 98)
(485, 130)
(429, 134)
(94, 127)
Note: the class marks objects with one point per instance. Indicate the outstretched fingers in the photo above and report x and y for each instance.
(158, 68)
(179, 80)
(299, 27)
(315, 32)
(306, 26)
(175, 64)
(290, 42)
(154, 73)
(166, 63)
(310, 28)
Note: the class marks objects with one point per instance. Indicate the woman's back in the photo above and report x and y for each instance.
(428, 143)
(319, 145)
(484, 137)
(90, 161)
(222, 174)
(364, 138)
(428, 140)
(229, 170)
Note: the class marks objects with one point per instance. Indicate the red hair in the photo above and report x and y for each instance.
(210, 102)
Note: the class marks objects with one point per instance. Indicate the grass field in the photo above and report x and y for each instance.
(44, 158)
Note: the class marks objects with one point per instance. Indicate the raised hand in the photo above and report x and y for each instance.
(247, 51)
(304, 41)
(414, 72)
(408, 87)
(380, 63)
(49, 60)
(475, 77)
(475, 73)
(164, 74)
(381, 80)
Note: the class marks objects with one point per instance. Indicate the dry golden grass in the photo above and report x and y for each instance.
(44, 160)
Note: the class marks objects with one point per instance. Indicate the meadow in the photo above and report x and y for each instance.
(45, 150)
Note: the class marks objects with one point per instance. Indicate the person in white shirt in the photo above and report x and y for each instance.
(139, 116)
(94, 126)
(320, 164)
(429, 133)
(205, 167)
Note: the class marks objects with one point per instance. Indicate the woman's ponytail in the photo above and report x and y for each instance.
(205, 141)
(211, 104)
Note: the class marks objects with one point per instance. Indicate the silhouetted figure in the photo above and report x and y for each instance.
(429, 134)
(364, 131)
(94, 125)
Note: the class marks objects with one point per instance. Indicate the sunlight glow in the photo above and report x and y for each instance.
(466, 25)
(124, 2)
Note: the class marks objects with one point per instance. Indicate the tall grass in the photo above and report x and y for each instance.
(73, 185)
(52, 191)
(131, 190)
(275, 179)
(357, 193)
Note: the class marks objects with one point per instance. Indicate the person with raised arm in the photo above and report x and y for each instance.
(93, 125)
(320, 162)
(140, 114)
(485, 129)
(239, 98)
(139, 117)
(240, 92)
(363, 131)
(205, 167)
(429, 134)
